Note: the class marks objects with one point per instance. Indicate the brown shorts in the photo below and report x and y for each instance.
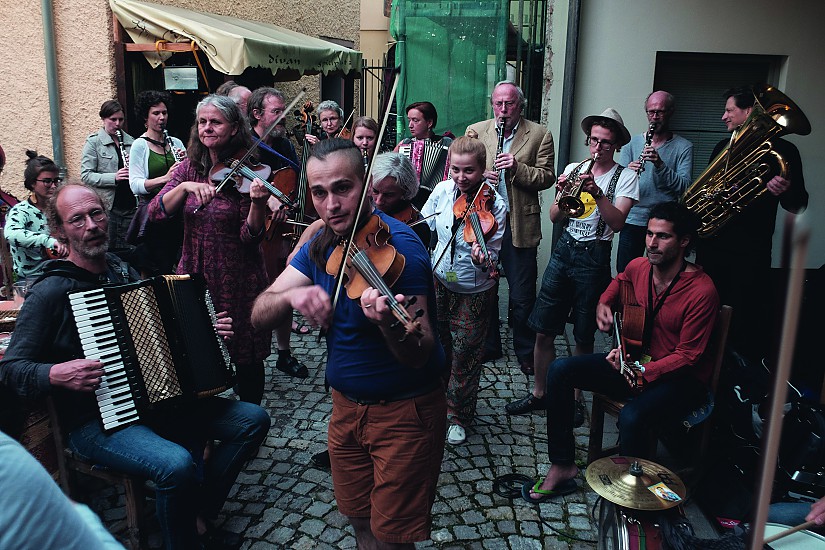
(386, 460)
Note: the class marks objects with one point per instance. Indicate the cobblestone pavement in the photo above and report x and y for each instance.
(281, 500)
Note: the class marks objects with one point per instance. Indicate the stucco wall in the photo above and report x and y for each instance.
(85, 55)
(82, 31)
(617, 52)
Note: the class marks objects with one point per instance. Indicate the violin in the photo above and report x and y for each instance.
(479, 222)
(373, 262)
(409, 214)
(244, 172)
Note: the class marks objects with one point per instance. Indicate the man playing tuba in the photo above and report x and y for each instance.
(738, 256)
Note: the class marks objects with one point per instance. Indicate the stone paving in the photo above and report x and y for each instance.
(281, 500)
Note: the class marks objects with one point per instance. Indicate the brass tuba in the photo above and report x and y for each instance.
(739, 173)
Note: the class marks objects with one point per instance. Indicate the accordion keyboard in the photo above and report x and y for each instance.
(98, 339)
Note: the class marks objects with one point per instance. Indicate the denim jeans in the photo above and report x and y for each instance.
(577, 274)
(169, 454)
(662, 403)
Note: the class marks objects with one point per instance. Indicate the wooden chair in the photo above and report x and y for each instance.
(70, 464)
(604, 405)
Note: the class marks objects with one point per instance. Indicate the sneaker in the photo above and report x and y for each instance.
(456, 435)
(527, 404)
(579, 414)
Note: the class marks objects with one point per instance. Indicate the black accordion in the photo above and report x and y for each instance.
(158, 345)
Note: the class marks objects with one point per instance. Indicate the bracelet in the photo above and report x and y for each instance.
(600, 195)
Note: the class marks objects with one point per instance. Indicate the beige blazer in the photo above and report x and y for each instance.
(534, 151)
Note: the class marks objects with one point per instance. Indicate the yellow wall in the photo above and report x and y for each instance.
(83, 34)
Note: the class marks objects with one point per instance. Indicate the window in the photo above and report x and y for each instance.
(698, 82)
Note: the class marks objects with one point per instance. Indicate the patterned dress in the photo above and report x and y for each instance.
(217, 244)
(27, 231)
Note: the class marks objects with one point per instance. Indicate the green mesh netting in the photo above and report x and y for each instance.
(450, 53)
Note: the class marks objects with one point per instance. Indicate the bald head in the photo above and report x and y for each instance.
(659, 108)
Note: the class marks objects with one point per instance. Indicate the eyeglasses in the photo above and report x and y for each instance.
(500, 104)
(79, 221)
(50, 181)
(599, 142)
(657, 112)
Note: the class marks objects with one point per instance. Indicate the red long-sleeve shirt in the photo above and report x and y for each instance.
(682, 328)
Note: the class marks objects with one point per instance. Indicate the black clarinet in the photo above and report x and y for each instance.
(500, 130)
(648, 141)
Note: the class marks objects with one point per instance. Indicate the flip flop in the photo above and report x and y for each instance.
(565, 488)
(300, 328)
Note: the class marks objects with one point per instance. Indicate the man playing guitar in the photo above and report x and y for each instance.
(680, 306)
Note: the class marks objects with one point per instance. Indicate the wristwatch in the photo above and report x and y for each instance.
(600, 195)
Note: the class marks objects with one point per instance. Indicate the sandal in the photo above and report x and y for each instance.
(300, 328)
(564, 488)
(292, 367)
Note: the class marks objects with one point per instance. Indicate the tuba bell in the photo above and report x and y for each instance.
(738, 175)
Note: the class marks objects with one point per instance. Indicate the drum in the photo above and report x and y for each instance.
(623, 528)
(801, 540)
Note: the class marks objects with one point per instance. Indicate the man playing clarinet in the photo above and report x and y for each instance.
(525, 162)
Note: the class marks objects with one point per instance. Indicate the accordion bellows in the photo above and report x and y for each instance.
(158, 345)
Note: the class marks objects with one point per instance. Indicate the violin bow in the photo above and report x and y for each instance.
(344, 125)
(258, 141)
(339, 278)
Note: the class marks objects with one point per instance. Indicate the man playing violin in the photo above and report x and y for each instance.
(465, 277)
(579, 267)
(386, 433)
(680, 304)
(264, 107)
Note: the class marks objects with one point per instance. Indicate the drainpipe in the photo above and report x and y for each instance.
(51, 81)
(571, 59)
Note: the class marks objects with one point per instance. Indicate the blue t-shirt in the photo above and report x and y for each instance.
(359, 363)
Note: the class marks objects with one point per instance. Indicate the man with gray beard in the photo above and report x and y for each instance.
(45, 356)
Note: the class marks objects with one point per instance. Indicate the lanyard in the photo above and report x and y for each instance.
(652, 311)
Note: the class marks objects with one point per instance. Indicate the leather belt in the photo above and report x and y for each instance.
(395, 397)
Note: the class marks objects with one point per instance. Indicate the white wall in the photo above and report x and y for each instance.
(618, 42)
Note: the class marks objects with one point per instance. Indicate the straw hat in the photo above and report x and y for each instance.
(611, 119)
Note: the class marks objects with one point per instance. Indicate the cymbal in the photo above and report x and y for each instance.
(635, 483)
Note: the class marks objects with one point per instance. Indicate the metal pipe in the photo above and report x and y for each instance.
(519, 29)
(571, 58)
(55, 117)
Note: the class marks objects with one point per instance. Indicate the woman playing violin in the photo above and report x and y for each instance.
(388, 400)
(222, 238)
(331, 117)
(464, 284)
